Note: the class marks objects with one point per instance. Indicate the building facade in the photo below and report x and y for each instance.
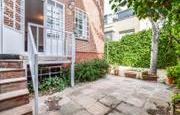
(74, 16)
(123, 23)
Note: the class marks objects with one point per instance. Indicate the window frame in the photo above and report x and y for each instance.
(85, 24)
(16, 15)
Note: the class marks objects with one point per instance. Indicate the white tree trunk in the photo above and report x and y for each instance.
(154, 47)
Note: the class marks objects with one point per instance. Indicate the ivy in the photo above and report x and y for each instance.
(134, 50)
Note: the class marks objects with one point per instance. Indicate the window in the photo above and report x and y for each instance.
(55, 20)
(124, 14)
(13, 13)
(81, 24)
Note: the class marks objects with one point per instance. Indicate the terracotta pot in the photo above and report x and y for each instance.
(130, 74)
(116, 72)
(169, 80)
(149, 77)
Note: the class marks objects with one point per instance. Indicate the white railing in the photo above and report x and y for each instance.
(68, 51)
(54, 42)
(33, 63)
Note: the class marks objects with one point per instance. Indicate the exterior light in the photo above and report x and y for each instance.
(71, 6)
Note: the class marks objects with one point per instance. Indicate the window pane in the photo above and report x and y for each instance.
(81, 24)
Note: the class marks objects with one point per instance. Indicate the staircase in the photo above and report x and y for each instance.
(14, 95)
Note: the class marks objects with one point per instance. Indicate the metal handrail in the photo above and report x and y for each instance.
(33, 59)
(33, 63)
(67, 43)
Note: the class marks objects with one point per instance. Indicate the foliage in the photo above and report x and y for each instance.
(51, 84)
(134, 50)
(173, 71)
(85, 71)
(175, 97)
(174, 19)
(91, 70)
(154, 9)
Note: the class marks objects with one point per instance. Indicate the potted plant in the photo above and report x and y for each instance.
(114, 70)
(172, 74)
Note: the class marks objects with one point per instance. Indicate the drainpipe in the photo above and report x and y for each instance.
(71, 7)
(2, 22)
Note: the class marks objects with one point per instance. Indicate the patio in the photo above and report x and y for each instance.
(112, 96)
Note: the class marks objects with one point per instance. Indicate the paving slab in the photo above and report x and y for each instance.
(110, 101)
(111, 96)
(131, 110)
(114, 112)
(98, 109)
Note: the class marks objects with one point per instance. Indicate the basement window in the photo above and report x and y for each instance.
(81, 25)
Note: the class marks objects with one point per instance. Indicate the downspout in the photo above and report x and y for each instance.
(2, 20)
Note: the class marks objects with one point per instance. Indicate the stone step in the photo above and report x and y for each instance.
(7, 73)
(14, 99)
(13, 84)
(11, 64)
(21, 110)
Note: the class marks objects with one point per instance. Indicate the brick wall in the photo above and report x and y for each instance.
(93, 47)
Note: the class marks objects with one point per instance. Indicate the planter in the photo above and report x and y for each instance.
(116, 72)
(149, 77)
(130, 74)
(169, 80)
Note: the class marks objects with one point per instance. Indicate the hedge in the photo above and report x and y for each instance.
(134, 50)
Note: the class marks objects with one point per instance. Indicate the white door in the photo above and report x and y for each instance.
(54, 24)
(12, 24)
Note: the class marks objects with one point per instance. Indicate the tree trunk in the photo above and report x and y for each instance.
(154, 48)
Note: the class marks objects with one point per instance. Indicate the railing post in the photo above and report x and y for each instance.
(36, 108)
(73, 60)
(33, 62)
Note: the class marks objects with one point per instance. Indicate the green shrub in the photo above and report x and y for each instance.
(85, 71)
(175, 97)
(90, 70)
(173, 71)
(134, 50)
(51, 84)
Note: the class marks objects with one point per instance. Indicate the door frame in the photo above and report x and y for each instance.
(45, 20)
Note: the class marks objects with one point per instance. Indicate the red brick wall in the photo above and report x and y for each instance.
(83, 56)
(94, 45)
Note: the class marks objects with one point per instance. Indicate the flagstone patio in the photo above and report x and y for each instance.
(112, 96)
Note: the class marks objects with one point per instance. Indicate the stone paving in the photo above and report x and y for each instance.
(112, 96)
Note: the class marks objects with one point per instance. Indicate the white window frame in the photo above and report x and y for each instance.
(21, 14)
(85, 26)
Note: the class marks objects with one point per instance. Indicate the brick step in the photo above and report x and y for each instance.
(11, 64)
(13, 84)
(14, 99)
(21, 110)
(7, 73)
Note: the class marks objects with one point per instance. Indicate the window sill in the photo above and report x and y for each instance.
(81, 39)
